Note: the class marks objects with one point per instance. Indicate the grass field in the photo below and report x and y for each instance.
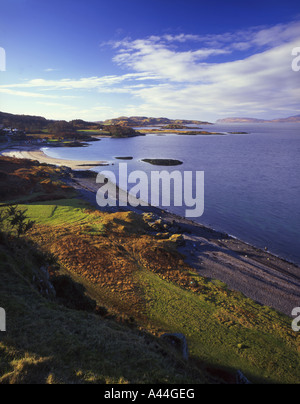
(112, 256)
(90, 131)
(229, 333)
(57, 213)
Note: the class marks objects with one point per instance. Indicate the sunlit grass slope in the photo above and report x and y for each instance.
(144, 279)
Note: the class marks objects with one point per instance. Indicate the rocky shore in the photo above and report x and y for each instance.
(259, 275)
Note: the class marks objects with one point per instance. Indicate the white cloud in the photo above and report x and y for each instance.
(274, 36)
(242, 39)
(191, 76)
(149, 55)
(8, 91)
(85, 83)
(50, 70)
(261, 84)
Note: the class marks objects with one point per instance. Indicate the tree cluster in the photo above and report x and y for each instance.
(23, 122)
(121, 131)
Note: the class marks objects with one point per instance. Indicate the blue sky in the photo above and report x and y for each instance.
(190, 59)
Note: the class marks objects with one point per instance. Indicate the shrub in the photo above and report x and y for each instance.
(71, 294)
(17, 220)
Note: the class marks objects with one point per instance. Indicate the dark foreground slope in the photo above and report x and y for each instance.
(47, 342)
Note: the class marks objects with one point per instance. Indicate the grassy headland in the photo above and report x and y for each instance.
(139, 121)
(23, 129)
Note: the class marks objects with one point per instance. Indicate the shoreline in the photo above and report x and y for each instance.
(36, 154)
(260, 275)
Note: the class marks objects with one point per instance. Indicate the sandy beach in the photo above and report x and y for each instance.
(41, 157)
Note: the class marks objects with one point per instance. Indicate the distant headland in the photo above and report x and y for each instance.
(137, 121)
(292, 119)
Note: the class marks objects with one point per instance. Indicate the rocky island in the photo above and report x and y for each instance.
(163, 162)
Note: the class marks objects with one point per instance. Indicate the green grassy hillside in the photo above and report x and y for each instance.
(141, 288)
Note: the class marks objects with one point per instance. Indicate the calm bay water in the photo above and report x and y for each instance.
(252, 187)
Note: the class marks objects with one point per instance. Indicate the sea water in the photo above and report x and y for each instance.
(252, 187)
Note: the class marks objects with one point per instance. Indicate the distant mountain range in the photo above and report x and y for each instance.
(136, 121)
(292, 119)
